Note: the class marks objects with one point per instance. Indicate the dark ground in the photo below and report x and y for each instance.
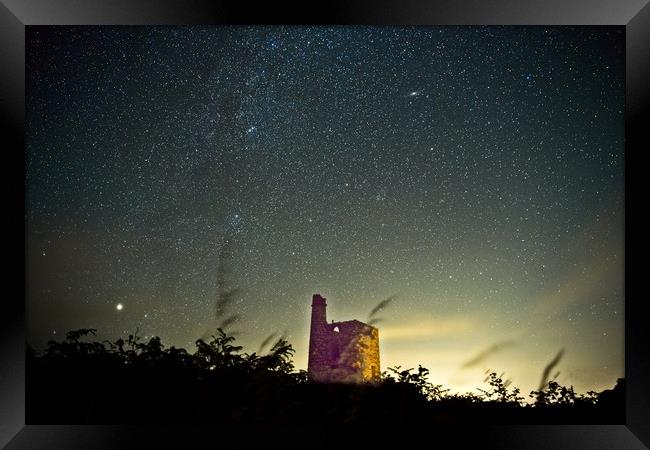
(129, 382)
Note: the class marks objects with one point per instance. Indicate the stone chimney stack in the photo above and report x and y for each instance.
(317, 365)
(318, 310)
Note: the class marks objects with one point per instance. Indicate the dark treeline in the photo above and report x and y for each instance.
(78, 381)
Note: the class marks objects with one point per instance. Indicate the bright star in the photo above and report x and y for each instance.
(119, 306)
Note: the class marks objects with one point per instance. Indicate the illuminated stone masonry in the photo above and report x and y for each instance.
(341, 351)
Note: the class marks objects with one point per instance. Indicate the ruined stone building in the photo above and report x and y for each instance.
(341, 351)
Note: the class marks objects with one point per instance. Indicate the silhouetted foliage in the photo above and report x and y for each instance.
(548, 368)
(418, 380)
(499, 391)
(78, 381)
(226, 296)
(372, 317)
(487, 352)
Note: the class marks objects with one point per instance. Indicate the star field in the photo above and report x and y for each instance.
(474, 172)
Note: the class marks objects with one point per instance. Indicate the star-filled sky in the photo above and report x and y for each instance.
(474, 173)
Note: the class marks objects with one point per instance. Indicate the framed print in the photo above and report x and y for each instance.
(402, 215)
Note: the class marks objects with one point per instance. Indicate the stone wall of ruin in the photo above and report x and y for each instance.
(342, 351)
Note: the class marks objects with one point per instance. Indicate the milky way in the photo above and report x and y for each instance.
(476, 173)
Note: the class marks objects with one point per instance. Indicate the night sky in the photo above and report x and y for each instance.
(474, 173)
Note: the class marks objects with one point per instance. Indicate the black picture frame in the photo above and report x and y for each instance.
(15, 15)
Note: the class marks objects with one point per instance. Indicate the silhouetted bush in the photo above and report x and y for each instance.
(130, 381)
